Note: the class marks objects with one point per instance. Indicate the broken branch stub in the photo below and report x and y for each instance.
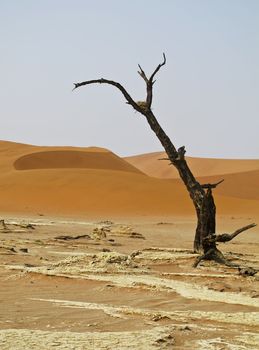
(212, 185)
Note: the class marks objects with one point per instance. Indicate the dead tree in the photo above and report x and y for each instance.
(201, 194)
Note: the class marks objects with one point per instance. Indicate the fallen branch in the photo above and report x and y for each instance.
(70, 238)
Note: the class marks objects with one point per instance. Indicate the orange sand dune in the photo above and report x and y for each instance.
(70, 180)
(91, 181)
(151, 165)
(241, 177)
(240, 185)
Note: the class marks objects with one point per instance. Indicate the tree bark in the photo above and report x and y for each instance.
(201, 195)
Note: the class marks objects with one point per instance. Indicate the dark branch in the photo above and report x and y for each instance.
(117, 85)
(142, 74)
(202, 257)
(157, 68)
(247, 271)
(225, 237)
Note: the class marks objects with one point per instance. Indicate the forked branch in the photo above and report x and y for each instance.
(149, 85)
(145, 109)
(150, 82)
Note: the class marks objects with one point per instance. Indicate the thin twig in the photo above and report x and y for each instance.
(212, 185)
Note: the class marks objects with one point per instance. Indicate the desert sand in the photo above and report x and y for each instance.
(96, 253)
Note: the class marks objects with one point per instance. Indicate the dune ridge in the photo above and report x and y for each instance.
(73, 159)
(150, 164)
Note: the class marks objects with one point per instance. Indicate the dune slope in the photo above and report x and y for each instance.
(240, 185)
(150, 164)
(241, 176)
(67, 180)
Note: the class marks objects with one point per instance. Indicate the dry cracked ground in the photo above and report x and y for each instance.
(128, 284)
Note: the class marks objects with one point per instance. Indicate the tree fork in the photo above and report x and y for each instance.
(201, 195)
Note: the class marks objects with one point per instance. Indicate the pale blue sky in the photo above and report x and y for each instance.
(206, 97)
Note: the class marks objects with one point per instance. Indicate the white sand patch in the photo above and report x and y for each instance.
(248, 341)
(81, 264)
(244, 318)
(163, 255)
(249, 338)
(171, 250)
(20, 339)
(46, 222)
(99, 262)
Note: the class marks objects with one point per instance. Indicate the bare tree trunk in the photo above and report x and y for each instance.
(204, 204)
(201, 195)
(206, 224)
